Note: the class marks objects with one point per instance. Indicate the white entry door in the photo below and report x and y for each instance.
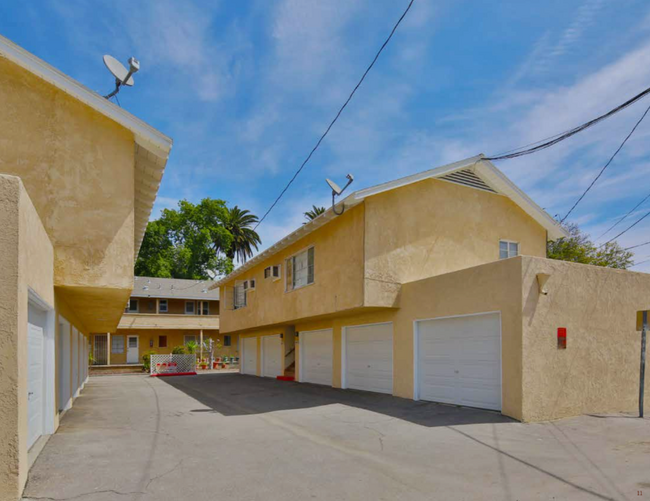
(249, 345)
(459, 360)
(368, 358)
(133, 350)
(316, 353)
(35, 375)
(272, 357)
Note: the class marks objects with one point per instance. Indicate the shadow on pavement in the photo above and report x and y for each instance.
(237, 394)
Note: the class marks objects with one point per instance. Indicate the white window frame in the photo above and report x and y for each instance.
(193, 312)
(276, 268)
(293, 270)
(204, 305)
(161, 308)
(236, 305)
(509, 243)
(268, 272)
(137, 306)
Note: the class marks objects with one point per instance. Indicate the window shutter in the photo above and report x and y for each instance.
(290, 274)
(310, 265)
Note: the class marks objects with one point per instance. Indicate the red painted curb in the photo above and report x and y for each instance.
(174, 374)
(286, 378)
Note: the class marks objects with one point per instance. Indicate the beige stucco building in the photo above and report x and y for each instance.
(78, 178)
(436, 287)
(163, 313)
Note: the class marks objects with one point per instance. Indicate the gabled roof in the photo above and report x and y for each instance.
(151, 146)
(174, 288)
(474, 172)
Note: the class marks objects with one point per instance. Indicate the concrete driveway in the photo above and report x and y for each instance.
(229, 436)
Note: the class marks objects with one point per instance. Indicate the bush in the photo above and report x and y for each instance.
(146, 360)
(178, 350)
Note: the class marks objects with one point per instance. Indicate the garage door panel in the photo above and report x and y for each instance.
(369, 358)
(35, 375)
(459, 360)
(249, 345)
(272, 356)
(316, 355)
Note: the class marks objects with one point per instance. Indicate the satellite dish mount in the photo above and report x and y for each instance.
(336, 191)
(121, 74)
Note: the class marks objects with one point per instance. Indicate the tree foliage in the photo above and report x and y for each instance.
(314, 212)
(196, 241)
(578, 248)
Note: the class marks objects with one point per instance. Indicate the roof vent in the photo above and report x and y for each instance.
(146, 287)
(466, 177)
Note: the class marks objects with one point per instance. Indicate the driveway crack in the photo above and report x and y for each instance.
(78, 496)
(157, 477)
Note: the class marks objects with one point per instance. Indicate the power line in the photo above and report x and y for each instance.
(338, 114)
(625, 216)
(640, 262)
(606, 165)
(638, 245)
(570, 132)
(627, 229)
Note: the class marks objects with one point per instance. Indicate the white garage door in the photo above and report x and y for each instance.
(459, 360)
(249, 345)
(368, 358)
(316, 357)
(35, 374)
(272, 359)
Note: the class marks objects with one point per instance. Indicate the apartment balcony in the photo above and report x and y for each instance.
(168, 321)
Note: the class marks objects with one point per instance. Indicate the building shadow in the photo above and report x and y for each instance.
(238, 394)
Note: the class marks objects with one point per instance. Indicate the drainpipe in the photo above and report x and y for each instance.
(108, 348)
(642, 375)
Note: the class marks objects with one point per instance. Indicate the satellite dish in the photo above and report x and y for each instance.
(118, 70)
(335, 187)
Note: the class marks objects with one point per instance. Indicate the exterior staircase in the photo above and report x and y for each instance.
(289, 373)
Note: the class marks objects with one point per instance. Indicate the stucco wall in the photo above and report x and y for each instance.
(434, 227)
(338, 278)
(26, 260)
(78, 168)
(599, 370)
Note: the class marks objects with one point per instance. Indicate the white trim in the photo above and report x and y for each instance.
(145, 135)
(293, 268)
(508, 250)
(65, 363)
(262, 364)
(416, 348)
(485, 169)
(344, 360)
(193, 312)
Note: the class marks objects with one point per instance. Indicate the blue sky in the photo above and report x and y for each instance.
(246, 87)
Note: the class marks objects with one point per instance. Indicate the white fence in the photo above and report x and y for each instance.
(172, 364)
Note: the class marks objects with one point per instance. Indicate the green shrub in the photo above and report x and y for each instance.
(178, 350)
(191, 347)
(146, 361)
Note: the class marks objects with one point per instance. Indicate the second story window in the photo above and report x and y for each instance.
(205, 308)
(239, 299)
(162, 306)
(132, 307)
(300, 269)
(508, 249)
(189, 308)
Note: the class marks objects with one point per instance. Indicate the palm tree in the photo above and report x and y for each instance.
(245, 238)
(314, 212)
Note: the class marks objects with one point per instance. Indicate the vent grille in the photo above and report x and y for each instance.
(467, 178)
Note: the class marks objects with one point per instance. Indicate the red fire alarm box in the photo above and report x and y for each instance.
(561, 338)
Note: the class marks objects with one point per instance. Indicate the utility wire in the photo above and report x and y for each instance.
(635, 246)
(625, 216)
(626, 229)
(338, 114)
(570, 132)
(606, 165)
(640, 262)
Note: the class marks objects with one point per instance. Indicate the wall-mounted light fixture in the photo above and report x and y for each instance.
(542, 278)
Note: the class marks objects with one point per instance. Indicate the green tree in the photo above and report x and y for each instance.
(195, 241)
(238, 222)
(579, 249)
(314, 212)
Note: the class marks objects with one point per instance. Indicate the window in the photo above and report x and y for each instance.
(239, 295)
(151, 305)
(189, 307)
(508, 249)
(162, 341)
(162, 306)
(205, 308)
(276, 271)
(132, 306)
(272, 272)
(227, 341)
(117, 344)
(300, 270)
(267, 272)
(188, 339)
